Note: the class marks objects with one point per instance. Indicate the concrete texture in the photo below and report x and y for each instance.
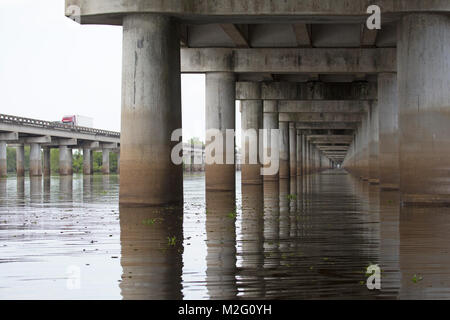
(35, 160)
(151, 111)
(251, 119)
(312, 90)
(424, 117)
(284, 150)
(388, 156)
(65, 161)
(3, 164)
(220, 115)
(20, 161)
(88, 168)
(47, 169)
(281, 60)
(105, 161)
(292, 150)
(299, 153)
(374, 146)
(270, 122)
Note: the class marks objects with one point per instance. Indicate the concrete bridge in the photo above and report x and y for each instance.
(44, 135)
(375, 101)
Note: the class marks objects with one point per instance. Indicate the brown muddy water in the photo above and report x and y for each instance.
(311, 238)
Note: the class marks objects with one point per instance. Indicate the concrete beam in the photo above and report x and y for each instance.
(112, 12)
(332, 148)
(320, 117)
(32, 140)
(313, 90)
(302, 34)
(326, 125)
(108, 145)
(9, 136)
(235, 35)
(90, 145)
(331, 138)
(324, 106)
(289, 60)
(63, 142)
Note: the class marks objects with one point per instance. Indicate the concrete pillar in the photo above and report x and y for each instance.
(299, 152)
(388, 156)
(373, 146)
(270, 122)
(220, 115)
(365, 147)
(20, 161)
(151, 111)
(3, 164)
(251, 121)
(304, 155)
(65, 161)
(47, 168)
(424, 111)
(88, 161)
(292, 149)
(105, 161)
(35, 160)
(284, 150)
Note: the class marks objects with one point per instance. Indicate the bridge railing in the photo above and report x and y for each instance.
(4, 118)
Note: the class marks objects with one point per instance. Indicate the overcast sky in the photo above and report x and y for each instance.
(50, 66)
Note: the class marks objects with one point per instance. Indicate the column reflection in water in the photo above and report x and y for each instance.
(3, 194)
(47, 193)
(66, 188)
(35, 189)
(424, 253)
(389, 242)
(20, 190)
(151, 246)
(252, 242)
(221, 244)
(284, 221)
(271, 224)
(88, 189)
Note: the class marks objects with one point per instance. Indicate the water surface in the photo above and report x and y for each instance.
(309, 238)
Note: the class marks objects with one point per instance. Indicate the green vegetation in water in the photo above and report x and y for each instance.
(416, 278)
(291, 197)
(232, 215)
(172, 240)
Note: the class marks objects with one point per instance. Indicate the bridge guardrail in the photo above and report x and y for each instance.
(55, 125)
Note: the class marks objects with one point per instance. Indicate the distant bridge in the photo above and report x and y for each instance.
(19, 131)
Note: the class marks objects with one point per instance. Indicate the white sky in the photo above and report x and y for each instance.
(51, 66)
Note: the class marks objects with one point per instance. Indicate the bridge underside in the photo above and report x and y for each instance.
(373, 101)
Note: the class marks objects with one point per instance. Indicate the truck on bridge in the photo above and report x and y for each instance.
(79, 121)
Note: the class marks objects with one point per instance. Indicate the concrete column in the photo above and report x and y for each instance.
(284, 150)
(151, 111)
(299, 152)
(47, 169)
(220, 115)
(424, 110)
(35, 160)
(3, 164)
(251, 121)
(88, 159)
(65, 161)
(374, 146)
(292, 149)
(388, 156)
(20, 161)
(365, 147)
(270, 120)
(105, 161)
(304, 155)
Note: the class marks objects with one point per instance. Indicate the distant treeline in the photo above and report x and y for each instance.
(54, 160)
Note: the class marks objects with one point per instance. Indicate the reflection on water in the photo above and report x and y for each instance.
(300, 238)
